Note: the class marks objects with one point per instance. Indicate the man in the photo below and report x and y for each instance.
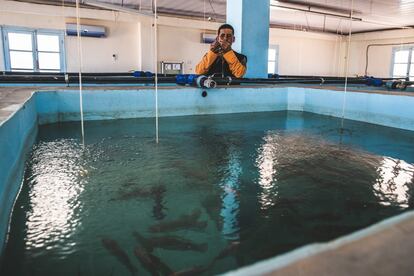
(221, 60)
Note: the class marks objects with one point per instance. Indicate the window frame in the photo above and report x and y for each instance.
(409, 62)
(276, 61)
(35, 52)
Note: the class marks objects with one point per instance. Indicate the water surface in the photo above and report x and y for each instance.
(218, 192)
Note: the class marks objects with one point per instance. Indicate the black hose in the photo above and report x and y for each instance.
(129, 79)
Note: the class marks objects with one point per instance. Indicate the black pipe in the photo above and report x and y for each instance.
(129, 79)
(117, 76)
(332, 77)
(85, 79)
(73, 74)
(74, 79)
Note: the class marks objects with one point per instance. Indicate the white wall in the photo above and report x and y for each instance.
(181, 45)
(300, 53)
(97, 53)
(131, 38)
(380, 57)
(304, 53)
(123, 35)
(180, 40)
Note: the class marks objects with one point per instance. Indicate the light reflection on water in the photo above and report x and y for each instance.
(57, 180)
(392, 184)
(230, 185)
(267, 164)
(281, 155)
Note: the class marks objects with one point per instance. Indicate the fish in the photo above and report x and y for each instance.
(176, 243)
(143, 241)
(145, 253)
(325, 232)
(146, 261)
(212, 206)
(195, 270)
(141, 192)
(113, 247)
(135, 193)
(229, 249)
(183, 222)
(325, 216)
(178, 225)
(158, 208)
(191, 173)
(161, 266)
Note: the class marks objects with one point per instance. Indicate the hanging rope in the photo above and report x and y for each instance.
(204, 16)
(347, 65)
(156, 71)
(80, 69)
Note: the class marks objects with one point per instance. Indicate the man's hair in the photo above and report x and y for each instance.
(225, 26)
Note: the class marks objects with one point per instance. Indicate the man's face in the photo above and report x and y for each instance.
(226, 35)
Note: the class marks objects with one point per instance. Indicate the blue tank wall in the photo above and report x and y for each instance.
(17, 135)
(117, 104)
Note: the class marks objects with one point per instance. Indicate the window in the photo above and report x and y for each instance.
(29, 50)
(272, 61)
(403, 62)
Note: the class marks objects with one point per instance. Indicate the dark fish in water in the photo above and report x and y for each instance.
(113, 247)
(326, 232)
(325, 217)
(129, 184)
(161, 266)
(158, 208)
(143, 241)
(176, 243)
(196, 270)
(212, 205)
(193, 216)
(146, 261)
(189, 172)
(229, 249)
(141, 192)
(178, 225)
(135, 193)
(183, 222)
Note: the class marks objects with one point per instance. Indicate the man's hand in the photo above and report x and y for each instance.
(225, 46)
(215, 47)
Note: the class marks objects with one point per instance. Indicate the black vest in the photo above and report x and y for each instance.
(221, 67)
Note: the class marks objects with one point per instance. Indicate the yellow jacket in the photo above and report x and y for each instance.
(229, 64)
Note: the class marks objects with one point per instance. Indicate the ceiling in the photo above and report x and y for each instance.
(332, 16)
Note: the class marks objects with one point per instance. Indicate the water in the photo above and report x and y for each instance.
(257, 184)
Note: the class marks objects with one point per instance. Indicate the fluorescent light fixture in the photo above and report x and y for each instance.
(115, 8)
(277, 6)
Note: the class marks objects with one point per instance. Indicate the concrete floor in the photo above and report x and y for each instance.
(388, 252)
(11, 98)
(384, 249)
